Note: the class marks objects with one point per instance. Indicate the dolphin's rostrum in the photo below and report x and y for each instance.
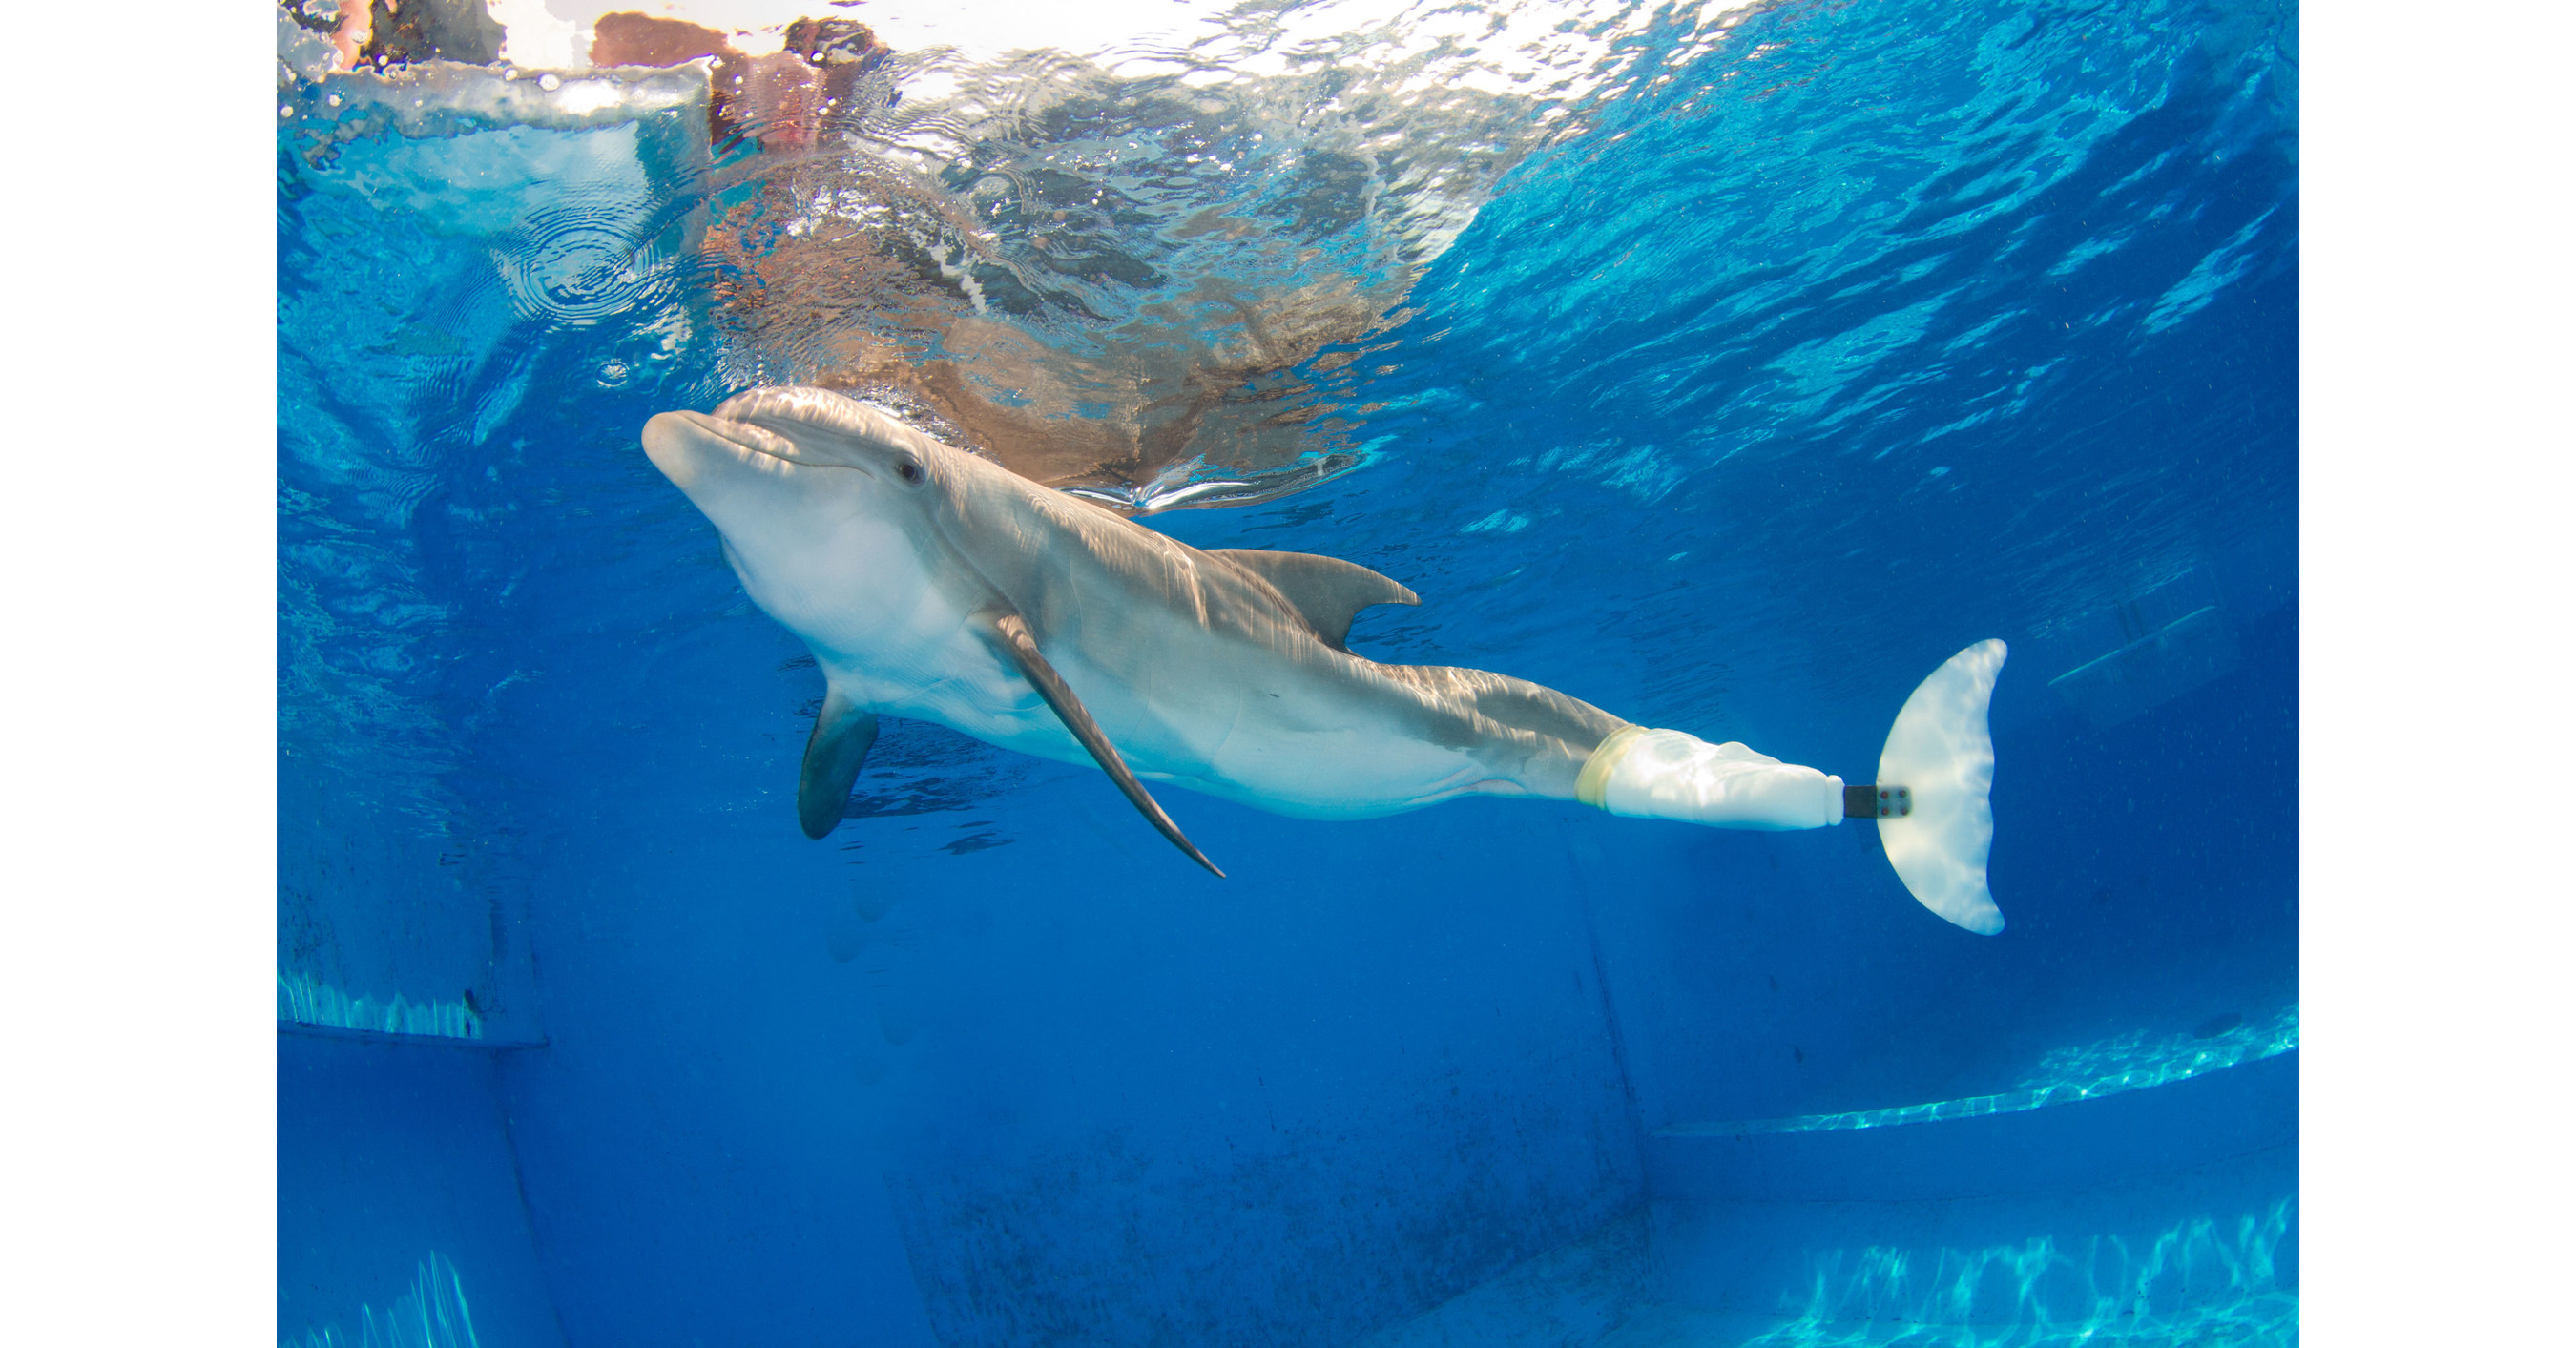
(933, 584)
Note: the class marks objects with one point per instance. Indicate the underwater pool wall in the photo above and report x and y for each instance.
(1013, 1075)
(1067, 1090)
(400, 1222)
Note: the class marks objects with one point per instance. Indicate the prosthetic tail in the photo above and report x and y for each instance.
(1929, 798)
(1940, 749)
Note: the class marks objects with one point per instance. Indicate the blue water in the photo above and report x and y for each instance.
(1730, 387)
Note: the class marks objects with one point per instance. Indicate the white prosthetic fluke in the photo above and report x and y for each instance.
(1930, 797)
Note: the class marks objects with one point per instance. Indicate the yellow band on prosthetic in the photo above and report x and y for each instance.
(1594, 781)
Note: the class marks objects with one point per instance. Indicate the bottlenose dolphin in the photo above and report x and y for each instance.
(933, 584)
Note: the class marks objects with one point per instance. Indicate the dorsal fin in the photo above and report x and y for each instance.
(1326, 591)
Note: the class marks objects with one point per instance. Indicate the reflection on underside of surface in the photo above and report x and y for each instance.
(1160, 268)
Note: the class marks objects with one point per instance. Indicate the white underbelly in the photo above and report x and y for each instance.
(1315, 757)
(1346, 773)
(962, 683)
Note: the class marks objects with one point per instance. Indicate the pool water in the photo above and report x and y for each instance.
(1728, 368)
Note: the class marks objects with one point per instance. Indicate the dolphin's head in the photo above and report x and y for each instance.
(828, 508)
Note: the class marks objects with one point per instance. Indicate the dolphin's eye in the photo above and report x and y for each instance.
(908, 471)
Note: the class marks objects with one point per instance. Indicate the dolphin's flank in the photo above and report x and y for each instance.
(932, 584)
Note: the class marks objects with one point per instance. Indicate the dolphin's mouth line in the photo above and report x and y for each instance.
(763, 440)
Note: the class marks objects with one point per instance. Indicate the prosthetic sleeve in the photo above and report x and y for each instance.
(1666, 774)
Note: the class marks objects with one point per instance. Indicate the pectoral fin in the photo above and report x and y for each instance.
(1011, 633)
(843, 731)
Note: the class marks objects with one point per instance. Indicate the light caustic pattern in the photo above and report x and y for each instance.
(2205, 1281)
(302, 1000)
(2129, 1062)
(432, 1314)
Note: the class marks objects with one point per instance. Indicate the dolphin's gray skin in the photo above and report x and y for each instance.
(932, 584)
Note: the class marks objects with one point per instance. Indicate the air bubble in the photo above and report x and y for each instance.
(549, 82)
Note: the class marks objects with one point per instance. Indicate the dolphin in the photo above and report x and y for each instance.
(935, 584)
